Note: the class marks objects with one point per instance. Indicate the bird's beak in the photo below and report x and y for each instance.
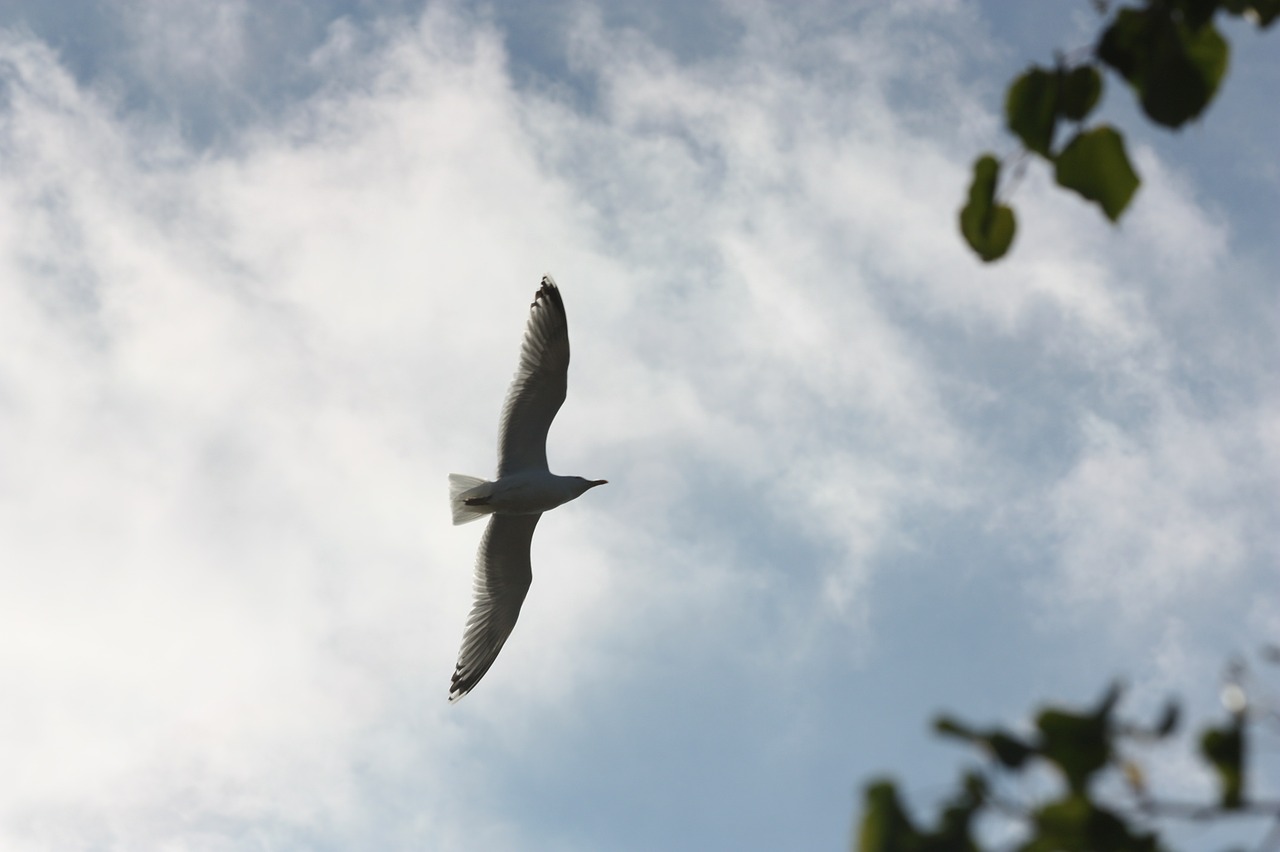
(596, 482)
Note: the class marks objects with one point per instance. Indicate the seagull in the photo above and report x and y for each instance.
(523, 490)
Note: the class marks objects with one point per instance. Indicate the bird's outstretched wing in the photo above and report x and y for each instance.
(502, 580)
(539, 386)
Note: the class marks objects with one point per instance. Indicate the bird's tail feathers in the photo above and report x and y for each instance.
(463, 488)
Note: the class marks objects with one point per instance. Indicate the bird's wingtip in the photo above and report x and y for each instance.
(458, 690)
(549, 290)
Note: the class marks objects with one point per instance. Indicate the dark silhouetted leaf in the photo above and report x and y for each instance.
(1079, 745)
(1174, 68)
(1031, 109)
(1095, 165)
(954, 825)
(1224, 748)
(1008, 750)
(952, 728)
(885, 826)
(1123, 44)
(1004, 747)
(1075, 824)
(1190, 79)
(988, 227)
(1078, 92)
(975, 786)
(1196, 13)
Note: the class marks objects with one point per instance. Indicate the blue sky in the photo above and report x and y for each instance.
(265, 273)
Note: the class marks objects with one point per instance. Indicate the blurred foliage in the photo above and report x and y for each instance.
(1168, 51)
(1088, 753)
(987, 226)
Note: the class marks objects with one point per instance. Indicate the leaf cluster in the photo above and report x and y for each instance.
(1171, 54)
(1078, 747)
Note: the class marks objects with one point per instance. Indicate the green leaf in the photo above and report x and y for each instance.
(975, 786)
(1079, 745)
(1123, 44)
(1010, 751)
(1005, 748)
(1095, 165)
(954, 832)
(1224, 748)
(1031, 109)
(988, 227)
(885, 826)
(1175, 68)
(1078, 92)
(948, 726)
(1206, 55)
(1196, 13)
(1076, 823)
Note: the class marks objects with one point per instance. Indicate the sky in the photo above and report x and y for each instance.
(264, 270)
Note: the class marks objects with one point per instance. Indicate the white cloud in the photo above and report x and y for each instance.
(189, 38)
(213, 516)
(1160, 518)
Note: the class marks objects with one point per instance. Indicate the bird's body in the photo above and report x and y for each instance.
(523, 490)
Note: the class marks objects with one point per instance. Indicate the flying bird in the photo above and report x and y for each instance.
(523, 490)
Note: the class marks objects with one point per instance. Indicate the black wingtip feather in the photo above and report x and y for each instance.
(549, 290)
(461, 684)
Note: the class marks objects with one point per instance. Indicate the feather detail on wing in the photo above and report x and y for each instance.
(539, 386)
(503, 575)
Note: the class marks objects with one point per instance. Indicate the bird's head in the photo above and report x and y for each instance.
(587, 484)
